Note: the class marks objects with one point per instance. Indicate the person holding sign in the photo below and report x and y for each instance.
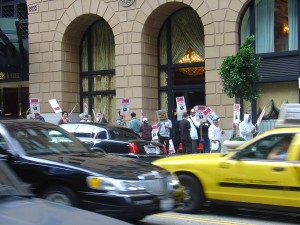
(247, 129)
(164, 133)
(194, 130)
(64, 118)
(214, 134)
(185, 128)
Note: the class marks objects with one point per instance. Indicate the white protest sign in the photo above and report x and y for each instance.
(181, 106)
(55, 106)
(236, 113)
(261, 116)
(200, 116)
(125, 106)
(162, 115)
(155, 129)
(35, 105)
(171, 147)
(209, 113)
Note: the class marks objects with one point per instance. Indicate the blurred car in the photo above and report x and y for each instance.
(61, 169)
(247, 177)
(19, 207)
(116, 140)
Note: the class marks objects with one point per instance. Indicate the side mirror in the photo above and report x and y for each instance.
(237, 155)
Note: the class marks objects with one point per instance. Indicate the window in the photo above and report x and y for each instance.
(98, 85)
(261, 149)
(275, 25)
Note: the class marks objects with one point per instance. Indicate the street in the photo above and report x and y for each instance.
(224, 217)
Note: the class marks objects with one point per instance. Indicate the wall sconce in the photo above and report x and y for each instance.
(285, 28)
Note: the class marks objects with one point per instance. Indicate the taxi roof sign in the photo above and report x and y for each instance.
(289, 116)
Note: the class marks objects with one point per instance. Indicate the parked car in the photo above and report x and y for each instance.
(61, 169)
(116, 140)
(18, 206)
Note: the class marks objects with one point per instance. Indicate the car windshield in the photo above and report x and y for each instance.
(10, 185)
(37, 139)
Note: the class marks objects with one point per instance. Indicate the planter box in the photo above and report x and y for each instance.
(232, 145)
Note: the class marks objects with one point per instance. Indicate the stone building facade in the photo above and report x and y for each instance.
(56, 29)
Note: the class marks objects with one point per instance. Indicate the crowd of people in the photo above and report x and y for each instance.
(188, 135)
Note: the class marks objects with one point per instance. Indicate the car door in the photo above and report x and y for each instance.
(251, 178)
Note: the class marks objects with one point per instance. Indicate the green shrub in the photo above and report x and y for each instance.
(237, 139)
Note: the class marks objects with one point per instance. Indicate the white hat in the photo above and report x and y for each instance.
(192, 110)
(145, 119)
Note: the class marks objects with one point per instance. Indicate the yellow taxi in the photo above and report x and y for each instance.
(263, 172)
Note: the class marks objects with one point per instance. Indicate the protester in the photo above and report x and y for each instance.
(64, 118)
(214, 134)
(102, 120)
(204, 140)
(134, 123)
(120, 120)
(194, 130)
(176, 134)
(84, 117)
(247, 129)
(38, 116)
(146, 130)
(164, 133)
(185, 128)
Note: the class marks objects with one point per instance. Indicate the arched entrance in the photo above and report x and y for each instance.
(181, 60)
(97, 71)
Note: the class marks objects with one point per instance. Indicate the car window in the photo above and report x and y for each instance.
(86, 131)
(122, 135)
(102, 134)
(261, 149)
(36, 140)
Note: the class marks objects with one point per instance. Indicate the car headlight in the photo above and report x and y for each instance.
(173, 181)
(110, 184)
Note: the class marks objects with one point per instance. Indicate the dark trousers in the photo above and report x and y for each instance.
(186, 146)
(165, 141)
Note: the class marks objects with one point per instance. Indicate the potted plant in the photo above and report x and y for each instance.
(239, 74)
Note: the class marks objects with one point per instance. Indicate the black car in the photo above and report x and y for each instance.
(116, 140)
(61, 169)
(18, 206)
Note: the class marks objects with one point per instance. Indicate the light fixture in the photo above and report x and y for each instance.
(285, 28)
(191, 57)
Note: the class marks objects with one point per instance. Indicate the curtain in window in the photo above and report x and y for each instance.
(187, 31)
(84, 55)
(103, 47)
(288, 93)
(293, 24)
(105, 104)
(163, 46)
(245, 27)
(164, 100)
(264, 26)
(104, 82)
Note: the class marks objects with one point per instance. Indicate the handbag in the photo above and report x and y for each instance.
(214, 145)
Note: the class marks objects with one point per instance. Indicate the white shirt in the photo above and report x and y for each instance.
(246, 127)
(193, 131)
(214, 133)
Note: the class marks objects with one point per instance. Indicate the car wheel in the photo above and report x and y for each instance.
(194, 197)
(62, 195)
